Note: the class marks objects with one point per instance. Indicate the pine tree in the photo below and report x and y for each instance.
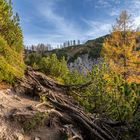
(11, 44)
(120, 48)
(9, 26)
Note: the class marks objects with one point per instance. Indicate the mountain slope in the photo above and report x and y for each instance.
(82, 57)
(91, 47)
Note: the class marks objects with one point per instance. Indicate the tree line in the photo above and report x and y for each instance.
(41, 48)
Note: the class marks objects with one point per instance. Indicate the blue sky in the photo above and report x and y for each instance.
(56, 21)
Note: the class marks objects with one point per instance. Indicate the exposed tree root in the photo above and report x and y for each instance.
(68, 113)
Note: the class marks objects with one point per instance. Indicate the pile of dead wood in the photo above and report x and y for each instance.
(89, 127)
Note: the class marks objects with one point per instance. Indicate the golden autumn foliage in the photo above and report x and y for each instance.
(120, 49)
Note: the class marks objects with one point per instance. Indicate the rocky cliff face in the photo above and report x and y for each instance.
(83, 63)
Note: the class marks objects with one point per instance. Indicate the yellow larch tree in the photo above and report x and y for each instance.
(120, 49)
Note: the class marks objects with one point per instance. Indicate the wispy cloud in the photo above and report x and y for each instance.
(134, 10)
(114, 12)
(63, 27)
(97, 28)
(66, 29)
(54, 26)
(132, 7)
(103, 3)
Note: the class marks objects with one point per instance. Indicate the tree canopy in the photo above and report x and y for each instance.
(11, 43)
(120, 48)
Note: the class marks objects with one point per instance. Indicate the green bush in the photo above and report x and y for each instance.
(52, 66)
(11, 63)
(11, 44)
(109, 95)
(33, 59)
(74, 77)
(55, 67)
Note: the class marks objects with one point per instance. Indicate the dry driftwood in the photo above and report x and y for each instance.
(36, 84)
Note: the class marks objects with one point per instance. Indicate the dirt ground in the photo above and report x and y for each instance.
(14, 111)
(4, 86)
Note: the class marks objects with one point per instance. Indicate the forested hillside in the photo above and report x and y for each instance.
(91, 47)
(47, 100)
(81, 56)
(114, 89)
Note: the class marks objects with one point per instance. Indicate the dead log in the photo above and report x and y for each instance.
(45, 81)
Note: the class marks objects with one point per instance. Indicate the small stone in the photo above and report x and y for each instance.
(8, 91)
(37, 138)
(19, 136)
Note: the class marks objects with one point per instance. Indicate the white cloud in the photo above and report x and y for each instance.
(137, 21)
(133, 7)
(43, 38)
(63, 28)
(66, 28)
(104, 3)
(114, 12)
(97, 28)
(117, 1)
